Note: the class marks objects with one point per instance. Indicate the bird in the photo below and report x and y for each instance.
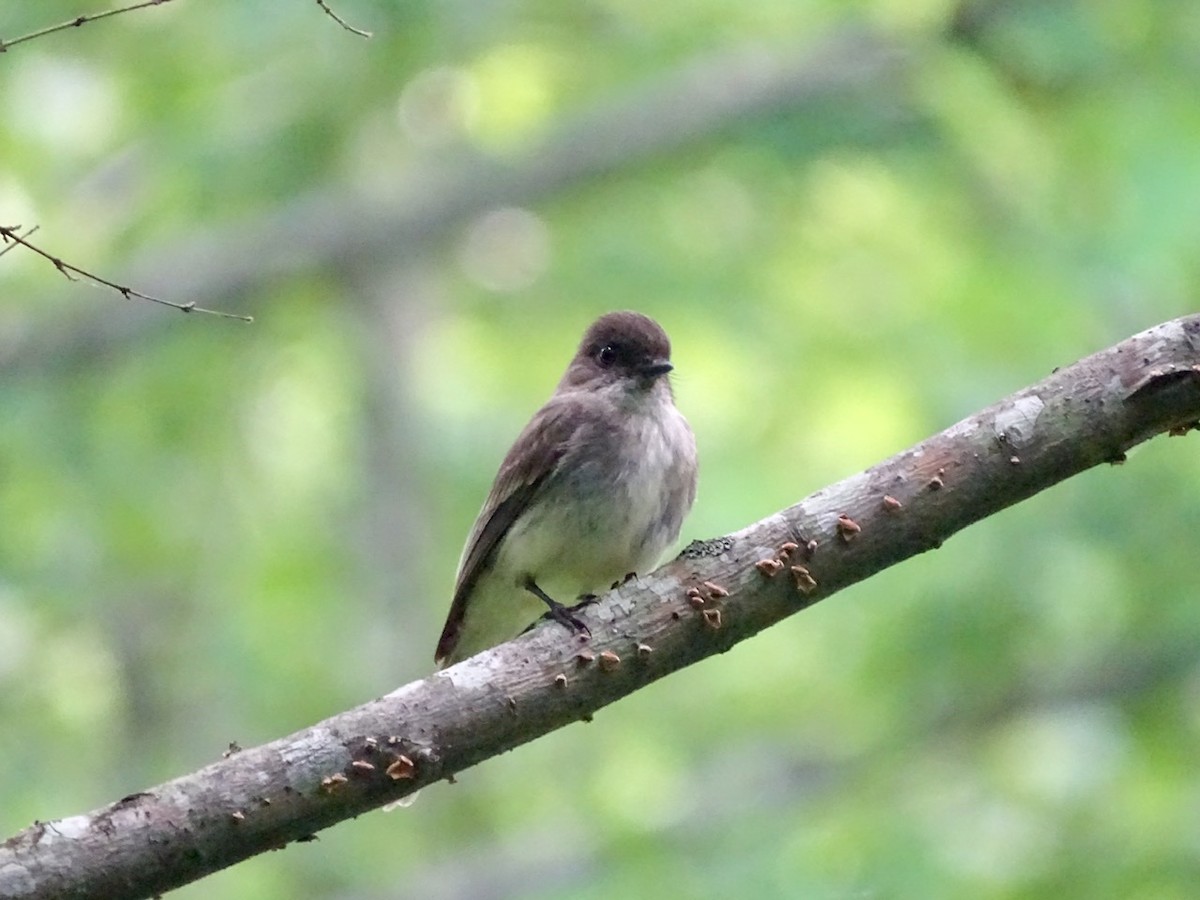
(593, 490)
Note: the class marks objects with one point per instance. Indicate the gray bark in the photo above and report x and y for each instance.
(716, 593)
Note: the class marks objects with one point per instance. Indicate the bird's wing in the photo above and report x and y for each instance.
(529, 464)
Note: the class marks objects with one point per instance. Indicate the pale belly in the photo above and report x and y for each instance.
(567, 557)
(585, 534)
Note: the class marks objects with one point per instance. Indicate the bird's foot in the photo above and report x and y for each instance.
(584, 600)
(558, 612)
(629, 576)
(562, 615)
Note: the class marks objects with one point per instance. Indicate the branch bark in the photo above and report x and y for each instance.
(715, 594)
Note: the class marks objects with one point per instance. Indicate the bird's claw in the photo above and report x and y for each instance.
(562, 615)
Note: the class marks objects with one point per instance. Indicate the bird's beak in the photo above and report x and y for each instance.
(655, 368)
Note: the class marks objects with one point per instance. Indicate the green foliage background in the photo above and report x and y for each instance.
(212, 532)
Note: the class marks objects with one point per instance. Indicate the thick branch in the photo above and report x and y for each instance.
(715, 594)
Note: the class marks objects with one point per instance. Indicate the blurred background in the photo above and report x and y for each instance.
(859, 222)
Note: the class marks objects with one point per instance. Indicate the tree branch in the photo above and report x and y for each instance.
(324, 228)
(346, 25)
(717, 593)
(77, 22)
(9, 239)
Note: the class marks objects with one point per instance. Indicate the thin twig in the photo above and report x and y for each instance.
(77, 21)
(69, 271)
(9, 246)
(329, 12)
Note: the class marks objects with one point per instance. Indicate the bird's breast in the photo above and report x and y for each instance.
(618, 501)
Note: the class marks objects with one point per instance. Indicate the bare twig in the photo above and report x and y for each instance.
(77, 21)
(336, 230)
(8, 246)
(261, 798)
(9, 234)
(329, 12)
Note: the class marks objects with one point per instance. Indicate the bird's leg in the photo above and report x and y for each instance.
(559, 613)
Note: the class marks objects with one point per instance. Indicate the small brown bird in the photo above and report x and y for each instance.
(596, 487)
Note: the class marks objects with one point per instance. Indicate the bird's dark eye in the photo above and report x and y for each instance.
(606, 355)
